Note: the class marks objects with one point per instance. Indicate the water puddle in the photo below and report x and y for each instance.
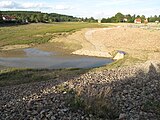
(35, 58)
(36, 52)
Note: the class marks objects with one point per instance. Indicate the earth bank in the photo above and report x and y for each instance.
(129, 92)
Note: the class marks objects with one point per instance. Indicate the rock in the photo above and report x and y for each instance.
(119, 55)
(126, 89)
(34, 118)
(122, 116)
(34, 112)
(43, 111)
(53, 118)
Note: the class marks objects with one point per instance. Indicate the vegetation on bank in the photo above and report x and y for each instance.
(38, 33)
(119, 17)
(16, 76)
(35, 17)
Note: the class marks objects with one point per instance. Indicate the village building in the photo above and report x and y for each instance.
(137, 21)
(146, 21)
(8, 18)
(99, 20)
(156, 21)
(125, 20)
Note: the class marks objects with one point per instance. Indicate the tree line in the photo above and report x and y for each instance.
(119, 17)
(35, 17)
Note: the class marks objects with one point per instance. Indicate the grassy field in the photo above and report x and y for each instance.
(38, 33)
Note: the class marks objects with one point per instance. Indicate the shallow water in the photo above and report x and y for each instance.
(35, 52)
(35, 58)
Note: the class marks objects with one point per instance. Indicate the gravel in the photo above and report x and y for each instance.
(128, 93)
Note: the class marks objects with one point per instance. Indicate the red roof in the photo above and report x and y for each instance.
(7, 17)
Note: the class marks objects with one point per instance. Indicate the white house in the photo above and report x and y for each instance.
(99, 20)
(146, 21)
(125, 20)
(157, 21)
(138, 21)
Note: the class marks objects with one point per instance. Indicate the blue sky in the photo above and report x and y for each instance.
(86, 8)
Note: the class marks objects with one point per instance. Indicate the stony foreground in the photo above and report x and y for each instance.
(129, 93)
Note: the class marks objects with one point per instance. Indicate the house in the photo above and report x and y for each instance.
(99, 20)
(156, 21)
(146, 21)
(125, 20)
(137, 21)
(8, 18)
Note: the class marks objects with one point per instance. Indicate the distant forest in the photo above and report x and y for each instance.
(119, 17)
(35, 17)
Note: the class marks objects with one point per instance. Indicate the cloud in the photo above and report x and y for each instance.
(62, 7)
(96, 8)
(31, 5)
(8, 4)
(15, 5)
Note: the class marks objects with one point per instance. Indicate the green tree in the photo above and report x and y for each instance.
(104, 20)
(159, 18)
(1, 20)
(138, 16)
(153, 19)
(32, 18)
(113, 20)
(45, 17)
(129, 18)
(119, 17)
(40, 17)
(108, 20)
(143, 18)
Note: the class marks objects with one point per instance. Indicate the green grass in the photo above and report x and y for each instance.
(14, 76)
(126, 61)
(38, 33)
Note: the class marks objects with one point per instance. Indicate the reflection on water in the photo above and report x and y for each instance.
(35, 52)
(41, 59)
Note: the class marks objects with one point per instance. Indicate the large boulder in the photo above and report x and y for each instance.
(119, 55)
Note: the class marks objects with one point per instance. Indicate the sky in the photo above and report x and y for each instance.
(85, 8)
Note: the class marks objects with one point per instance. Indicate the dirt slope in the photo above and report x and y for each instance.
(139, 43)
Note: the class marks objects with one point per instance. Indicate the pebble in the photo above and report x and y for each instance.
(123, 90)
(122, 116)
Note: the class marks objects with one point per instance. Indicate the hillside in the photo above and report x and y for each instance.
(37, 16)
